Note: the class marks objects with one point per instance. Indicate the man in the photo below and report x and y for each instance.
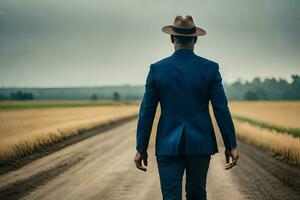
(184, 83)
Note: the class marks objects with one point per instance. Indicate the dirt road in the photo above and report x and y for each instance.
(102, 167)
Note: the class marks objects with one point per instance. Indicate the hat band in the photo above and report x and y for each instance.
(184, 30)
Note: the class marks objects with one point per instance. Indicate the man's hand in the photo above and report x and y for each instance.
(234, 158)
(139, 158)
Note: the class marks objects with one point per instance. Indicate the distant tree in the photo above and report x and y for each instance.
(256, 81)
(131, 97)
(233, 91)
(3, 97)
(261, 93)
(296, 78)
(294, 92)
(116, 96)
(94, 97)
(19, 95)
(251, 95)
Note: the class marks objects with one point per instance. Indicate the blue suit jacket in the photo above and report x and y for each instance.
(184, 83)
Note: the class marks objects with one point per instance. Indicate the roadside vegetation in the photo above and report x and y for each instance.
(277, 129)
(41, 104)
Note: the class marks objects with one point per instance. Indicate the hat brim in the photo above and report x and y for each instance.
(168, 30)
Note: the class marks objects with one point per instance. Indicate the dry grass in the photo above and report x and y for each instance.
(280, 113)
(268, 114)
(285, 145)
(23, 131)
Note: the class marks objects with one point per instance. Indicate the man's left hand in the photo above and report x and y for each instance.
(234, 155)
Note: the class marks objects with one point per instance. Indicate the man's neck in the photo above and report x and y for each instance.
(180, 47)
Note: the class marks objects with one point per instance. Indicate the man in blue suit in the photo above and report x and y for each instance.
(184, 84)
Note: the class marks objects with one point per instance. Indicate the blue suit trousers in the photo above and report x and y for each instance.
(171, 170)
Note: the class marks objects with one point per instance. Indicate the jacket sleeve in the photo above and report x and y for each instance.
(146, 113)
(221, 111)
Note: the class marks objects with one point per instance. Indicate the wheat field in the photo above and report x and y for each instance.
(23, 131)
(282, 114)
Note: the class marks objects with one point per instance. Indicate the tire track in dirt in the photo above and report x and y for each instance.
(23, 187)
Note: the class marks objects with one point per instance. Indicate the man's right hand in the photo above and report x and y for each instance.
(139, 158)
(234, 155)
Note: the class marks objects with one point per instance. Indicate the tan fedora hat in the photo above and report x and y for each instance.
(184, 27)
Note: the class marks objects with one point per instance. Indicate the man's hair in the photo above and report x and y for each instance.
(183, 40)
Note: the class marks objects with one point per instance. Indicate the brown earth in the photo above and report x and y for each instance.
(101, 167)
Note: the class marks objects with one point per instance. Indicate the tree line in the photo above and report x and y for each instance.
(20, 95)
(257, 89)
(267, 89)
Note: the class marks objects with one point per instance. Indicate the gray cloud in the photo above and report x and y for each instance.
(92, 42)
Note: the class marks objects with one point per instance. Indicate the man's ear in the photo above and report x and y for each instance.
(172, 39)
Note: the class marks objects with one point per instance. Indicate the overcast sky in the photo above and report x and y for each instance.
(56, 43)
